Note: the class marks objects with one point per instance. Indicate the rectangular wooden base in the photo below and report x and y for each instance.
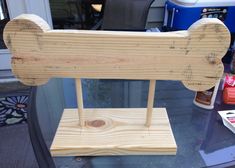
(114, 132)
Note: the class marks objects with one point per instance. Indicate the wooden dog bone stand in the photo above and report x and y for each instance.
(192, 56)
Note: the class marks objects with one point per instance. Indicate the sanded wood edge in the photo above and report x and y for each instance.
(104, 151)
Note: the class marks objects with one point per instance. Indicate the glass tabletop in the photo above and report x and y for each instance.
(202, 139)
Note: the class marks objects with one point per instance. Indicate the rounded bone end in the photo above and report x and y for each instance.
(24, 23)
(200, 34)
(211, 28)
(202, 84)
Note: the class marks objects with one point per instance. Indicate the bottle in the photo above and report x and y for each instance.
(206, 99)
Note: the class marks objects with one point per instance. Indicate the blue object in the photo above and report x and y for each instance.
(181, 14)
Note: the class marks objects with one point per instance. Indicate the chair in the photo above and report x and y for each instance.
(125, 14)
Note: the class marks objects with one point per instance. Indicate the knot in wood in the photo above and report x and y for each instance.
(96, 123)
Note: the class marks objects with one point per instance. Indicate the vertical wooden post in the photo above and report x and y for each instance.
(152, 84)
(80, 101)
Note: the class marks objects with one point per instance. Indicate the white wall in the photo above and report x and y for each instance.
(5, 59)
(15, 8)
(38, 7)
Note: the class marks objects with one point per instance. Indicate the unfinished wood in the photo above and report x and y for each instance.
(80, 102)
(152, 85)
(193, 56)
(113, 132)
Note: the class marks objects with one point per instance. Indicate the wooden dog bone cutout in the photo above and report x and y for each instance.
(192, 56)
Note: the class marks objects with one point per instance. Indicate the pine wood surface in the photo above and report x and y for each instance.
(113, 132)
(80, 101)
(192, 56)
(150, 104)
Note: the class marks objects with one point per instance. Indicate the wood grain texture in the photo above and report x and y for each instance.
(113, 132)
(80, 101)
(150, 103)
(193, 56)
